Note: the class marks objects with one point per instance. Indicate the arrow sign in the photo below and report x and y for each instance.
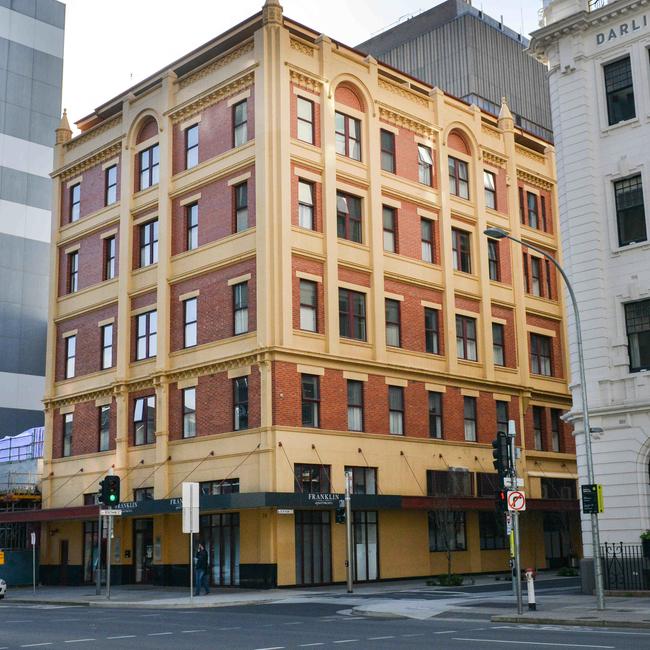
(516, 501)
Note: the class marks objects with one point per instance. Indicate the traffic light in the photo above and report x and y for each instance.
(109, 490)
(501, 454)
(501, 500)
(340, 516)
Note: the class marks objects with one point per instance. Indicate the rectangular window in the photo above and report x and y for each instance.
(192, 146)
(502, 416)
(458, 178)
(352, 314)
(240, 123)
(308, 306)
(73, 272)
(446, 531)
(498, 344)
(241, 206)
(426, 237)
(542, 204)
(149, 243)
(469, 416)
(619, 90)
(393, 334)
(535, 276)
(461, 250)
(522, 206)
(67, 434)
(431, 344)
(455, 482)
(312, 479)
(70, 356)
(533, 214)
(490, 185)
(558, 488)
(225, 486)
(396, 410)
(555, 430)
(110, 183)
(435, 415)
(149, 167)
(189, 413)
(109, 257)
(305, 120)
(630, 211)
(310, 401)
(364, 479)
(107, 346)
(143, 494)
(192, 226)
(348, 217)
(240, 403)
(144, 420)
(549, 282)
(75, 202)
(389, 216)
(538, 427)
(190, 319)
(494, 267)
(466, 338)
(240, 307)
(540, 355)
(637, 326)
(491, 531)
(355, 405)
(306, 205)
(104, 427)
(387, 151)
(348, 136)
(146, 340)
(425, 165)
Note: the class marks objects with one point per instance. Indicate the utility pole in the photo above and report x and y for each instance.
(348, 530)
(108, 555)
(98, 579)
(512, 432)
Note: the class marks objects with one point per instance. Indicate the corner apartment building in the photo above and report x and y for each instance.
(597, 53)
(268, 266)
(31, 68)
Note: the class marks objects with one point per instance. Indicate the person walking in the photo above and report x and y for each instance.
(201, 570)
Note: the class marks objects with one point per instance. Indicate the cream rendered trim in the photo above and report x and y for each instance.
(388, 127)
(435, 388)
(191, 382)
(309, 276)
(310, 370)
(468, 392)
(190, 199)
(466, 312)
(69, 333)
(235, 99)
(501, 321)
(145, 219)
(72, 249)
(239, 179)
(239, 279)
(110, 163)
(351, 112)
(540, 330)
(188, 295)
(393, 296)
(351, 189)
(353, 287)
(74, 181)
(394, 381)
(391, 203)
(104, 401)
(426, 214)
(144, 310)
(424, 141)
(108, 233)
(355, 376)
(65, 410)
(297, 90)
(244, 371)
(106, 321)
(431, 305)
(190, 122)
(502, 398)
(573, 475)
(146, 144)
(308, 176)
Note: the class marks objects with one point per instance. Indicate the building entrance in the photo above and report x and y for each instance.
(313, 547)
(220, 535)
(366, 546)
(90, 553)
(143, 551)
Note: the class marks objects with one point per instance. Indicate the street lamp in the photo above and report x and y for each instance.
(498, 233)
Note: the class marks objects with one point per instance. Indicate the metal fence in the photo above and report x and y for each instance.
(25, 446)
(597, 4)
(625, 567)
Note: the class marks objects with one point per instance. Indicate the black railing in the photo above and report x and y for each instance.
(625, 567)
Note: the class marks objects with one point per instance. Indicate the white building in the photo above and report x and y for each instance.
(599, 70)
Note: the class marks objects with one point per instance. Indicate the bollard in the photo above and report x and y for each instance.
(530, 584)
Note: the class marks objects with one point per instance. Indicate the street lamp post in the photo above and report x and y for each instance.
(498, 233)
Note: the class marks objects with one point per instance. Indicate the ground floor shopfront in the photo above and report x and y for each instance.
(283, 539)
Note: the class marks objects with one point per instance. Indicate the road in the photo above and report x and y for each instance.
(282, 626)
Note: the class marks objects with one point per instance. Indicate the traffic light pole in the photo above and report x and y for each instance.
(108, 556)
(512, 432)
(348, 531)
(98, 586)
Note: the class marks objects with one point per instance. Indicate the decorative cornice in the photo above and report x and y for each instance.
(212, 97)
(102, 127)
(533, 179)
(95, 158)
(305, 80)
(404, 91)
(301, 46)
(406, 122)
(213, 66)
(491, 131)
(527, 153)
(493, 158)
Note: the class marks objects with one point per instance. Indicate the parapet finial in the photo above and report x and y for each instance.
(63, 131)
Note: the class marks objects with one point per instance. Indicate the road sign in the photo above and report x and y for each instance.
(285, 511)
(508, 523)
(33, 538)
(510, 482)
(190, 507)
(516, 501)
(592, 499)
(110, 513)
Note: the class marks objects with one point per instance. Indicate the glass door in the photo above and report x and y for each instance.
(366, 546)
(313, 547)
(220, 534)
(143, 549)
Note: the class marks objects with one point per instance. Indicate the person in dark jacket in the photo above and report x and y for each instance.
(201, 570)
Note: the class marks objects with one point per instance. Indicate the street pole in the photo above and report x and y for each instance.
(512, 433)
(98, 578)
(108, 556)
(33, 539)
(348, 531)
(192, 568)
(498, 233)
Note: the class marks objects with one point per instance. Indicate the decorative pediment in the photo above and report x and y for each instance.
(401, 120)
(533, 179)
(222, 61)
(93, 159)
(405, 92)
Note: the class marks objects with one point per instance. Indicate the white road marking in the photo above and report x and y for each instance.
(309, 645)
(379, 638)
(293, 623)
(34, 645)
(191, 631)
(529, 643)
(346, 641)
(275, 647)
(159, 633)
(123, 636)
(408, 636)
(79, 640)
(148, 615)
(447, 632)
(223, 629)
(28, 621)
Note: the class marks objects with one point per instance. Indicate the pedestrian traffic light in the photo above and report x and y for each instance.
(501, 500)
(501, 454)
(109, 490)
(340, 516)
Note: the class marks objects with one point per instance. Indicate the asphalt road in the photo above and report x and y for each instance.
(279, 627)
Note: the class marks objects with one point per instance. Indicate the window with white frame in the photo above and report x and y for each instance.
(306, 205)
(190, 322)
(240, 307)
(396, 410)
(308, 306)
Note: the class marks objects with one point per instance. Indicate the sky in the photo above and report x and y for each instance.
(112, 46)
